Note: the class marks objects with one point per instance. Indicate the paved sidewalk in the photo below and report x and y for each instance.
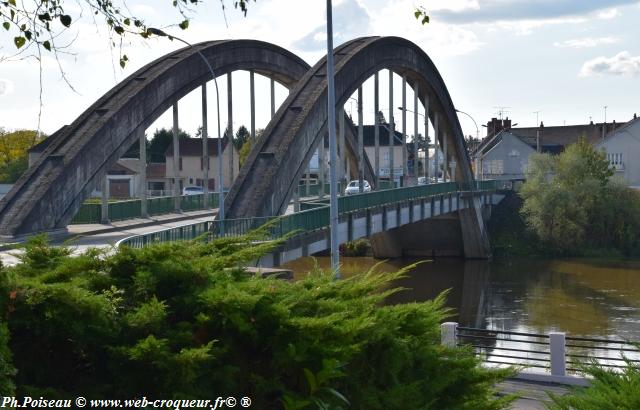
(83, 237)
(533, 394)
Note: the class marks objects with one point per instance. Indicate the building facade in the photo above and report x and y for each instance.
(191, 164)
(622, 148)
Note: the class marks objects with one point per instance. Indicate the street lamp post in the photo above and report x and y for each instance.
(331, 111)
(160, 33)
(474, 123)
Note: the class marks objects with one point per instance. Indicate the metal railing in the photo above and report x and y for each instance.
(311, 219)
(555, 352)
(91, 212)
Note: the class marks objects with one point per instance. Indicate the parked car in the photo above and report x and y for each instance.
(192, 190)
(354, 187)
(422, 180)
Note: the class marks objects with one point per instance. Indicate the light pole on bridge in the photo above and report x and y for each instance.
(160, 33)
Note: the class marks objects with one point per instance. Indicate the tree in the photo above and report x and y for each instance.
(160, 142)
(242, 136)
(183, 319)
(572, 203)
(37, 25)
(14, 156)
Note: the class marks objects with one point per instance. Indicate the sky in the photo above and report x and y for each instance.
(564, 59)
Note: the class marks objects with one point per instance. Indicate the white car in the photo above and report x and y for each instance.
(192, 190)
(354, 187)
(422, 180)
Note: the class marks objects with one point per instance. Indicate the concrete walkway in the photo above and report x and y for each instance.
(533, 394)
(85, 236)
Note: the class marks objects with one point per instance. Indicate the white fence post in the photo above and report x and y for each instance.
(557, 350)
(448, 333)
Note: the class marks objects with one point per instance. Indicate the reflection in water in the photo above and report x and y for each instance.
(580, 297)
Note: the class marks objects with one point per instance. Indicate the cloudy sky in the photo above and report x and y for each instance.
(564, 58)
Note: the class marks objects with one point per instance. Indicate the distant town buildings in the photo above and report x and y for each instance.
(504, 153)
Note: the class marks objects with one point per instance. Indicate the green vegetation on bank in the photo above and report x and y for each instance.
(609, 390)
(572, 205)
(182, 320)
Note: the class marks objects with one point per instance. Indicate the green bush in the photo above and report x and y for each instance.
(182, 320)
(609, 390)
(359, 247)
(574, 206)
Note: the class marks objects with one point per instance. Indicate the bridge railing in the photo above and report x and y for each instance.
(310, 219)
(91, 212)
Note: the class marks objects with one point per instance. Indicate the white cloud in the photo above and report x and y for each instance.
(586, 42)
(6, 87)
(608, 14)
(620, 64)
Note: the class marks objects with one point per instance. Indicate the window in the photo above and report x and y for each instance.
(386, 161)
(180, 166)
(494, 167)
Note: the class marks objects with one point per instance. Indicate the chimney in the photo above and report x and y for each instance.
(493, 127)
(635, 116)
(506, 124)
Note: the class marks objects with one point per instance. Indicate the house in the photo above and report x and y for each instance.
(369, 142)
(190, 163)
(622, 147)
(505, 154)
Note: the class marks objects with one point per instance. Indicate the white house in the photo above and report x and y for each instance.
(622, 147)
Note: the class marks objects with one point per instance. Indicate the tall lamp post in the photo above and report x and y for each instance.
(160, 33)
(331, 111)
(474, 123)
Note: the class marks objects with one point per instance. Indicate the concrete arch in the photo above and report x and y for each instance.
(266, 182)
(50, 192)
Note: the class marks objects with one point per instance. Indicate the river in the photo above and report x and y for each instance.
(582, 297)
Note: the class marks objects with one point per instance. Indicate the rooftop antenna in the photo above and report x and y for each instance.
(501, 110)
(537, 113)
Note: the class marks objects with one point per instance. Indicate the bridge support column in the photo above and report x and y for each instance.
(416, 158)
(436, 155)
(445, 158)
(386, 244)
(176, 161)
(360, 143)
(342, 169)
(230, 125)
(104, 208)
(427, 170)
(322, 167)
(143, 175)
(392, 130)
(252, 97)
(474, 232)
(404, 130)
(376, 128)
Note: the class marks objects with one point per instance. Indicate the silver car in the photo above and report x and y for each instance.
(354, 187)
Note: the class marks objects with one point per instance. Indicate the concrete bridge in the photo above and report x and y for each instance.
(77, 157)
(415, 221)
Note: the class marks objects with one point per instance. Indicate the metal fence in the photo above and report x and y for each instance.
(555, 352)
(91, 212)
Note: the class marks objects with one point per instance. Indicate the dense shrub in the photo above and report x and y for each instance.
(609, 390)
(183, 321)
(359, 247)
(573, 205)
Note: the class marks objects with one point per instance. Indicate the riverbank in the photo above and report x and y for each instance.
(510, 237)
